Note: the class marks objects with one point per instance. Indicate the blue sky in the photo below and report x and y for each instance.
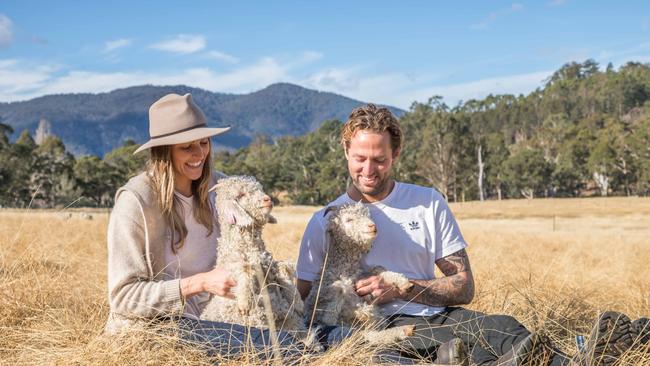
(376, 51)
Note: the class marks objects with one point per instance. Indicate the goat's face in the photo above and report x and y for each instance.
(353, 222)
(241, 201)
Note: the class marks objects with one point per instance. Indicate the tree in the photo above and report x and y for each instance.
(51, 174)
(610, 161)
(5, 131)
(5, 157)
(526, 172)
(125, 163)
(435, 143)
(570, 173)
(96, 179)
(19, 161)
(496, 154)
(317, 160)
(639, 141)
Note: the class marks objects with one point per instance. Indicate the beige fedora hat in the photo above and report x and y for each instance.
(175, 119)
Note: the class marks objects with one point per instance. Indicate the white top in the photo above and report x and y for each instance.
(415, 227)
(198, 254)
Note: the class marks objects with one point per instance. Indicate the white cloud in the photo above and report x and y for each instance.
(249, 78)
(354, 82)
(6, 33)
(478, 89)
(221, 56)
(637, 53)
(19, 78)
(495, 15)
(310, 56)
(401, 90)
(633, 58)
(117, 44)
(182, 43)
(21, 82)
(516, 7)
(334, 79)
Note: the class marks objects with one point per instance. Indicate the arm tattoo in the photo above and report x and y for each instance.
(457, 287)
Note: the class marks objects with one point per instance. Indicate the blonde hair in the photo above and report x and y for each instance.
(370, 117)
(161, 170)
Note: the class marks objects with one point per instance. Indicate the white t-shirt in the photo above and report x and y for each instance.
(198, 254)
(415, 227)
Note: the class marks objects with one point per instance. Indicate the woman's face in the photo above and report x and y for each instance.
(188, 160)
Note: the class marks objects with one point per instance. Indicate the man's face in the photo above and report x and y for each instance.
(370, 159)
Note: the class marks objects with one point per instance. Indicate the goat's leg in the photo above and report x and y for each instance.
(331, 303)
(365, 314)
(243, 290)
(289, 291)
(389, 335)
(394, 278)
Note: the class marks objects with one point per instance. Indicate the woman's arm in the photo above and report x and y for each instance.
(130, 290)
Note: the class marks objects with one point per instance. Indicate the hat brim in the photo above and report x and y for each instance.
(183, 137)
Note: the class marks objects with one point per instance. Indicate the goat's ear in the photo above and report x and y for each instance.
(270, 219)
(236, 215)
(214, 187)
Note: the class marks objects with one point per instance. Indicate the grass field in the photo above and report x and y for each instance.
(553, 264)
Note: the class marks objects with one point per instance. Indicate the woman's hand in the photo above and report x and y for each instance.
(216, 281)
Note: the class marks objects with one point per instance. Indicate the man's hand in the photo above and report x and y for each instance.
(379, 291)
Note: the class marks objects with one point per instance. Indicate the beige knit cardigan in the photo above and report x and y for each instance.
(137, 235)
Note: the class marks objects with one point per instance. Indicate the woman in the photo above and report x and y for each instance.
(162, 235)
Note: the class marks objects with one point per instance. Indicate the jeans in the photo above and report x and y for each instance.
(486, 336)
(233, 340)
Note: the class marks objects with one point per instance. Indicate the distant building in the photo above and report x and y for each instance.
(43, 131)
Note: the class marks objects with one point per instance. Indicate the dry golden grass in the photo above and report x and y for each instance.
(553, 264)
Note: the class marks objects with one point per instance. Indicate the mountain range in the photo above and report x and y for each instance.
(97, 123)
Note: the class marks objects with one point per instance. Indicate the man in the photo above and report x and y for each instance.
(416, 230)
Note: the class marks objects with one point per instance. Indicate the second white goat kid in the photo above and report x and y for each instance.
(332, 299)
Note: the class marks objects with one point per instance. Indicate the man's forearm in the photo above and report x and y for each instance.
(457, 289)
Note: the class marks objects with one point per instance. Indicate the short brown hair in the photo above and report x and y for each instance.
(373, 118)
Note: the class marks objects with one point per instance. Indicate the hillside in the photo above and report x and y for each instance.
(98, 123)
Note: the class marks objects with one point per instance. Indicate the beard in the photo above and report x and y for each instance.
(379, 188)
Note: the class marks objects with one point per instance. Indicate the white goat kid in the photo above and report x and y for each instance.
(333, 300)
(242, 210)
